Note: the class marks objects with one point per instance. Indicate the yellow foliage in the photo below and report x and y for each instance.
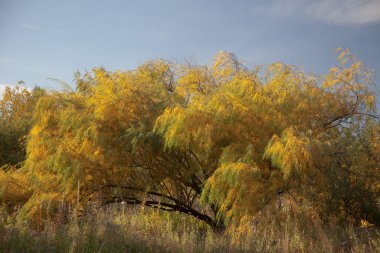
(167, 135)
(291, 153)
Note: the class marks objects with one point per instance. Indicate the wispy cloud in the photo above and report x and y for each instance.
(30, 27)
(346, 12)
(37, 28)
(57, 31)
(340, 12)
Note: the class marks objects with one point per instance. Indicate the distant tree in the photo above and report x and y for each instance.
(16, 112)
(216, 142)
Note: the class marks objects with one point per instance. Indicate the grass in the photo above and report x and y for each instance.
(125, 229)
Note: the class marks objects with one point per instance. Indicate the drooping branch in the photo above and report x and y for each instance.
(178, 205)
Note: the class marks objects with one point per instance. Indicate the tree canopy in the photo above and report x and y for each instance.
(221, 142)
(16, 112)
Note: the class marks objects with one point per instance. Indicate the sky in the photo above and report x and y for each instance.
(43, 39)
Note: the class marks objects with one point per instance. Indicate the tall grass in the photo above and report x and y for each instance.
(125, 229)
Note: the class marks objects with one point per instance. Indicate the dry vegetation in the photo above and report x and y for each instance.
(126, 229)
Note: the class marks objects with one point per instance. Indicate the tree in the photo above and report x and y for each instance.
(16, 111)
(216, 142)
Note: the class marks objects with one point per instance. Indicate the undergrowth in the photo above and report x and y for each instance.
(125, 229)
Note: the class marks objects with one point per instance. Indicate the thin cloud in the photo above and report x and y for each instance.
(339, 12)
(57, 31)
(36, 28)
(346, 12)
(30, 27)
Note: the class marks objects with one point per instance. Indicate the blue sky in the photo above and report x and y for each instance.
(42, 39)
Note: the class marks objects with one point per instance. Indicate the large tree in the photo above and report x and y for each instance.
(219, 142)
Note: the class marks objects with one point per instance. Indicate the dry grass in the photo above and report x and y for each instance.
(135, 230)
